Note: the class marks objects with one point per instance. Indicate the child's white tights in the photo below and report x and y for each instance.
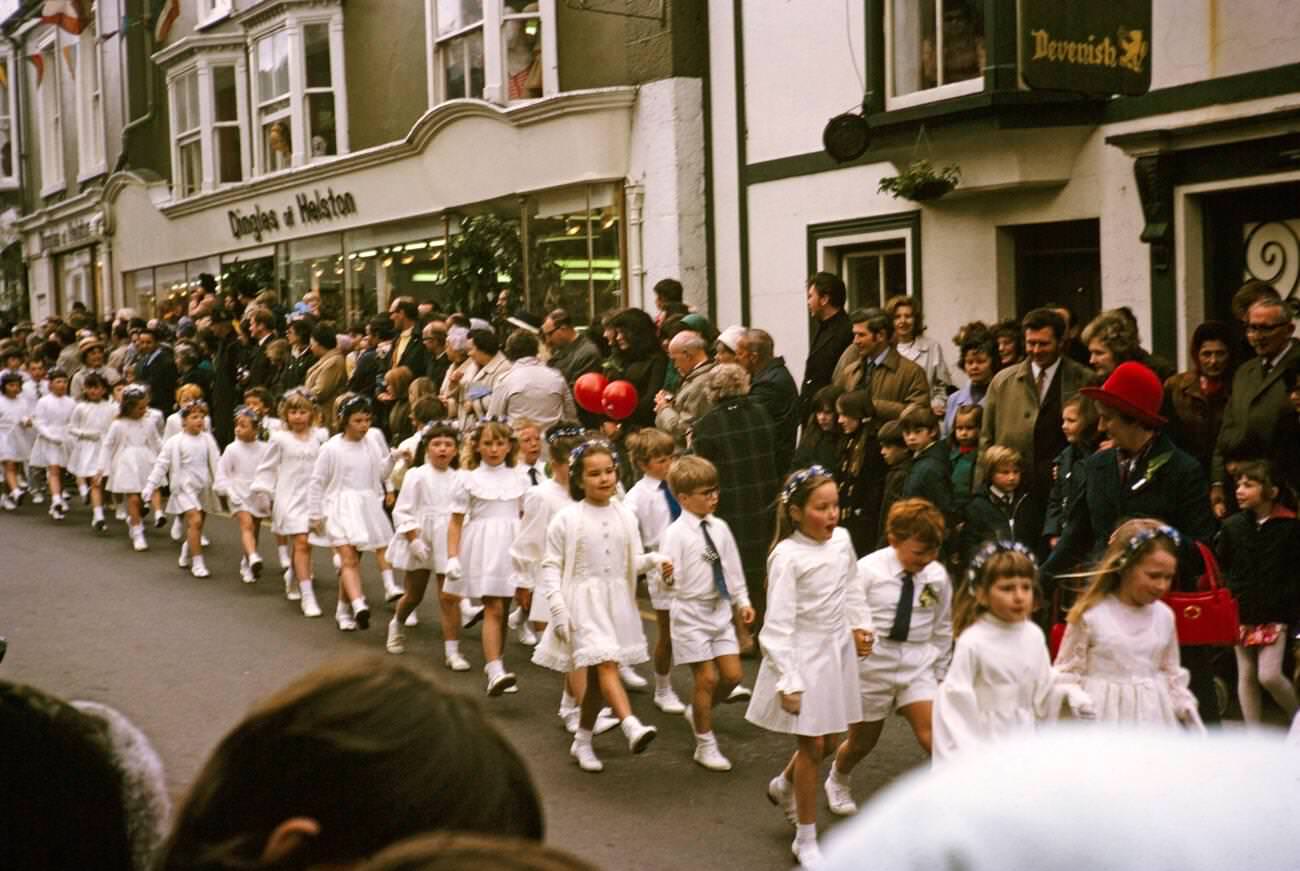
(1261, 667)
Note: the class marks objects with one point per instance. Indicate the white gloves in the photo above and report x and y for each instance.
(454, 572)
(260, 502)
(1081, 705)
(146, 494)
(420, 550)
(560, 620)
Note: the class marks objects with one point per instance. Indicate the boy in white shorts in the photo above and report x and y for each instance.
(910, 597)
(707, 583)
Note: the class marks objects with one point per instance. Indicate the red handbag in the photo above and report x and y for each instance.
(1209, 616)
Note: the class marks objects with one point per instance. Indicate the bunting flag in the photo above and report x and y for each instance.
(70, 58)
(63, 13)
(38, 61)
(4, 75)
(168, 12)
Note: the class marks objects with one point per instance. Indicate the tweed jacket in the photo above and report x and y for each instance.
(326, 379)
(689, 404)
(1011, 406)
(1256, 406)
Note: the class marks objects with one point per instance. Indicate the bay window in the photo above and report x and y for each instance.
(90, 107)
(502, 51)
(271, 54)
(227, 132)
(210, 11)
(209, 121)
(935, 49)
(8, 175)
(49, 111)
(187, 135)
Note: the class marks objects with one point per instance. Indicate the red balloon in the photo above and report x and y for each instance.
(619, 400)
(588, 390)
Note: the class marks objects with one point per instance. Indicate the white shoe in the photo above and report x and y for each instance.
(709, 756)
(254, 564)
(203, 540)
(808, 854)
(96, 523)
(119, 512)
(586, 756)
(246, 574)
(159, 519)
(57, 511)
(840, 798)
(7, 503)
(291, 586)
(178, 529)
(184, 561)
(200, 569)
(308, 603)
(527, 636)
(631, 679)
(456, 662)
(362, 616)
(667, 701)
(392, 592)
(605, 721)
(515, 618)
(737, 695)
(500, 684)
(396, 642)
(413, 619)
(85, 493)
(137, 539)
(780, 792)
(38, 498)
(469, 615)
(343, 617)
(286, 561)
(338, 562)
(639, 736)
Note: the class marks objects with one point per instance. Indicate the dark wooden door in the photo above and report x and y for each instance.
(1251, 233)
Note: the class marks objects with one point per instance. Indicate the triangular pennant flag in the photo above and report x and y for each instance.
(4, 76)
(63, 13)
(70, 58)
(38, 61)
(168, 12)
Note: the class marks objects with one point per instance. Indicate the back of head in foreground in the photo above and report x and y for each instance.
(453, 852)
(1088, 797)
(348, 759)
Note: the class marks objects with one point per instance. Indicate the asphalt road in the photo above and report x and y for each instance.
(88, 618)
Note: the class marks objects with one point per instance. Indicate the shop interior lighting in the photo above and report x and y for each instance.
(426, 277)
(387, 262)
(408, 259)
(417, 246)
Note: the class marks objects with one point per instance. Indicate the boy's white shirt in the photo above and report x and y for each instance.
(683, 544)
(647, 502)
(880, 579)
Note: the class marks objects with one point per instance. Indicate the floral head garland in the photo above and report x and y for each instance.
(248, 412)
(301, 391)
(1147, 535)
(556, 433)
(134, 392)
(491, 418)
(799, 479)
(427, 431)
(991, 549)
(576, 455)
(353, 405)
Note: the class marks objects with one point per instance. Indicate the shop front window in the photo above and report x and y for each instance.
(577, 235)
(314, 265)
(521, 36)
(405, 259)
(138, 292)
(935, 49)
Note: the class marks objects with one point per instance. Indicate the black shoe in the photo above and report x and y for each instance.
(100, 526)
(4, 645)
(363, 618)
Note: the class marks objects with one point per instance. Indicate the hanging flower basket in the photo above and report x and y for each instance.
(921, 182)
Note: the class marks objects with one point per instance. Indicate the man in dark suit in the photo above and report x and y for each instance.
(434, 336)
(772, 386)
(371, 362)
(408, 346)
(1259, 398)
(257, 366)
(832, 334)
(155, 367)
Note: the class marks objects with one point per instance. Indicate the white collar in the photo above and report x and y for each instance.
(1034, 369)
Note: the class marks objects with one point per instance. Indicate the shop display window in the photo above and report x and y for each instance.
(495, 50)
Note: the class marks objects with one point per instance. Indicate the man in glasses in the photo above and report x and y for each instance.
(1259, 396)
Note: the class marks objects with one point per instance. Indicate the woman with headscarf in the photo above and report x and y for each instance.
(639, 359)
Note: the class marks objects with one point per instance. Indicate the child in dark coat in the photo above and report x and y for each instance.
(1259, 549)
(853, 471)
(899, 460)
(930, 477)
(963, 449)
(1000, 509)
(1079, 423)
(820, 442)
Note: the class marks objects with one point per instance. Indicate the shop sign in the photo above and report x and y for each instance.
(1099, 47)
(306, 208)
(69, 234)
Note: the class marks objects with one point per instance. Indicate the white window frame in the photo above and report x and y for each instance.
(925, 95)
(293, 23)
(49, 113)
(91, 150)
(495, 83)
(833, 250)
(202, 68)
(183, 137)
(10, 182)
(208, 12)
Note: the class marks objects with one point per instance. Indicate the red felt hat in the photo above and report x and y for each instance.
(1134, 390)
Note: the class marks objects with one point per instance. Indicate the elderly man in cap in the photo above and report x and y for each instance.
(93, 359)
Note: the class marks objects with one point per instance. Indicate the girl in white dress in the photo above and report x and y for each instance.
(593, 557)
(345, 506)
(15, 417)
(280, 490)
(486, 503)
(185, 394)
(1120, 643)
(130, 448)
(260, 401)
(188, 464)
(89, 424)
(1000, 682)
(419, 547)
(50, 450)
(817, 625)
(235, 474)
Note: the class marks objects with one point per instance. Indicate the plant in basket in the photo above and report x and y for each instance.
(921, 181)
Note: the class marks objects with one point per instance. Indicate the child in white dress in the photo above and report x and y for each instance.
(130, 448)
(655, 508)
(280, 490)
(1120, 643)
(260, 401)
(15, 418)
(485, 507)
(419, 546)
(185, 394)
(89, 424)
(235, 474)
(1000, 683)
(345, 506)
(817, 625)
(910, 597)
(188, 464)
(593, 557)
(50, 449)
(708, 594)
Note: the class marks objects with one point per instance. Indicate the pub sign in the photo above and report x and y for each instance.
(1097, 47)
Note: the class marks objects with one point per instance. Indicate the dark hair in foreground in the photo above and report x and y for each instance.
(454, 852)
(371, 749)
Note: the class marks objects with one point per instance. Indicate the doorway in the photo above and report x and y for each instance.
(1250, 233)
(1059, 263)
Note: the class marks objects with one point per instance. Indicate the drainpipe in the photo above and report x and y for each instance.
(635, 199)
(18, 74)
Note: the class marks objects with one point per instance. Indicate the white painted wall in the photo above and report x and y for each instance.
(1194, 40)
(726, 184)
(800, 71)
(667, 160)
